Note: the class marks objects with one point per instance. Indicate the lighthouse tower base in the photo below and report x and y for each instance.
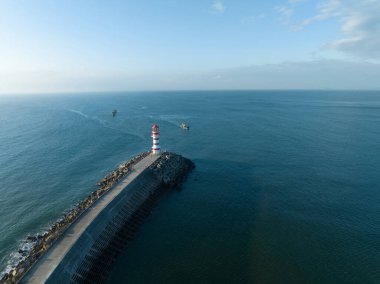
(156, 152)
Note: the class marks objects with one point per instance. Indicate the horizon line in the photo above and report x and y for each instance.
(184, 90)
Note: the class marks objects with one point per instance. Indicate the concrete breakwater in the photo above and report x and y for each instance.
(35, 245)
(83, 251)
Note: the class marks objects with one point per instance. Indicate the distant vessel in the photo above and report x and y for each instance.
(114, 112)
(185, 126)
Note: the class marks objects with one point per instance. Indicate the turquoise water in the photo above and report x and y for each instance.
(286, 189)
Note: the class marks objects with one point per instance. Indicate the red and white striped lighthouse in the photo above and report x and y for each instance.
(156, 139)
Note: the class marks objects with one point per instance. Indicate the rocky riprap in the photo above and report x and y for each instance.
(34, 246)
(172, 169)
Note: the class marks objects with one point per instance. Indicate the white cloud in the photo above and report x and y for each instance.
(285, 13)
(218, 7)
(252, 19)
(295, 1)
(360, 26)
(287, 10)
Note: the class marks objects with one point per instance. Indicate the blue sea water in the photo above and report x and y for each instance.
(286, 188)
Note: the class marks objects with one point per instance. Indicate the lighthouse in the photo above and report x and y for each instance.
(156, 139)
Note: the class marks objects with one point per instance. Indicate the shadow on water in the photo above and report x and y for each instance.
(189, 246)
(225, 227)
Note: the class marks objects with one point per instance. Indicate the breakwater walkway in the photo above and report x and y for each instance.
(47, 264)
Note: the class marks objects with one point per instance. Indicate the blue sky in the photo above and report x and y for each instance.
(88, 45)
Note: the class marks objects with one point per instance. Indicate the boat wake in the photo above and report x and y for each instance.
(174, 119)
(78, 112)
(104, 123)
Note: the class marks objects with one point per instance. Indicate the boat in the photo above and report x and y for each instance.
(185, 126)
(114, 112)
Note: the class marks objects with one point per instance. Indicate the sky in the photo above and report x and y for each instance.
(53, 46)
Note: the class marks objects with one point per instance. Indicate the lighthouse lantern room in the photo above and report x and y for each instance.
(156, 139)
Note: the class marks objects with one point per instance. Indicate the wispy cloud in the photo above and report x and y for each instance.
(218, 7)
(295, 1)
(287, 10)
(252, 19)
(285, 13)
(360, 26)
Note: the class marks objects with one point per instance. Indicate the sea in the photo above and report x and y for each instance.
(286, 187)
